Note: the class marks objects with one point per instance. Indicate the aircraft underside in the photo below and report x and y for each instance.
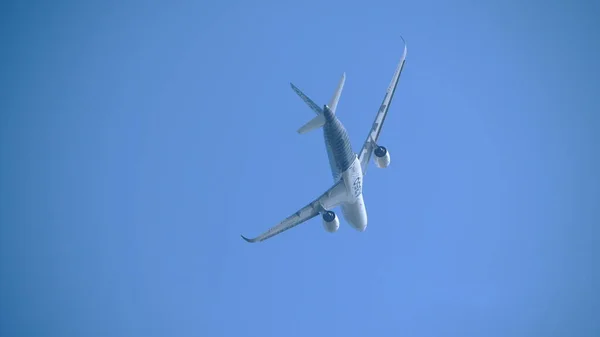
(347, 167)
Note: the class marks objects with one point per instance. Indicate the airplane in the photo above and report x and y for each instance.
(347, 167)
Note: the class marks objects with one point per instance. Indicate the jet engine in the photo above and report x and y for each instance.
(382, 157)
(331, 222)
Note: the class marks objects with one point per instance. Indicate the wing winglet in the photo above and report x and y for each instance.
(248, 240)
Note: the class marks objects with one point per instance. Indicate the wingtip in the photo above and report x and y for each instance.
(247, 240)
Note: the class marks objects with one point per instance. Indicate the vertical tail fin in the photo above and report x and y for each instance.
(319, 120)
(338, 92)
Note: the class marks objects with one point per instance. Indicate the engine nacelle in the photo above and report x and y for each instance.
(382, 157)
(331, 222)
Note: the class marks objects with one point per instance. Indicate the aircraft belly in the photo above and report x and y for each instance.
(354, 210)
(339, 149)
(353, 179)
(356, 214)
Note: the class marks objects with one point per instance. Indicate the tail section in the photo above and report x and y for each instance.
(338, 92)
(319, 120)
(314, 123)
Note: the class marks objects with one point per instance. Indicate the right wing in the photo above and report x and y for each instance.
(371, 142)
(333, 197)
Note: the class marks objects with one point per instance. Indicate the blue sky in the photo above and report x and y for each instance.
(138, 140)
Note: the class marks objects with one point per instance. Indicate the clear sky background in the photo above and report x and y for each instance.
(139, 139)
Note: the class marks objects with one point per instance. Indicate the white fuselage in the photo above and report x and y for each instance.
(345, 165)
(354, 210)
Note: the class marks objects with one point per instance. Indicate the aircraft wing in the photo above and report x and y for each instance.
(371, 142)
(333, 197)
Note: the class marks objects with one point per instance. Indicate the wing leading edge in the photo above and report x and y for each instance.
(333, 197)
(371, 142)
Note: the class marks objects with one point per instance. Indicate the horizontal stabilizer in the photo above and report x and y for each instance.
(314, 123)
(319, 120)
(307, 100)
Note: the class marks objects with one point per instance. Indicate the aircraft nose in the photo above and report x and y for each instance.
(361, 225)
(359, 221)
(356, 215)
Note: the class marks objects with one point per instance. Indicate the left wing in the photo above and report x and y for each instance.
(333, 197)
(371, 142)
